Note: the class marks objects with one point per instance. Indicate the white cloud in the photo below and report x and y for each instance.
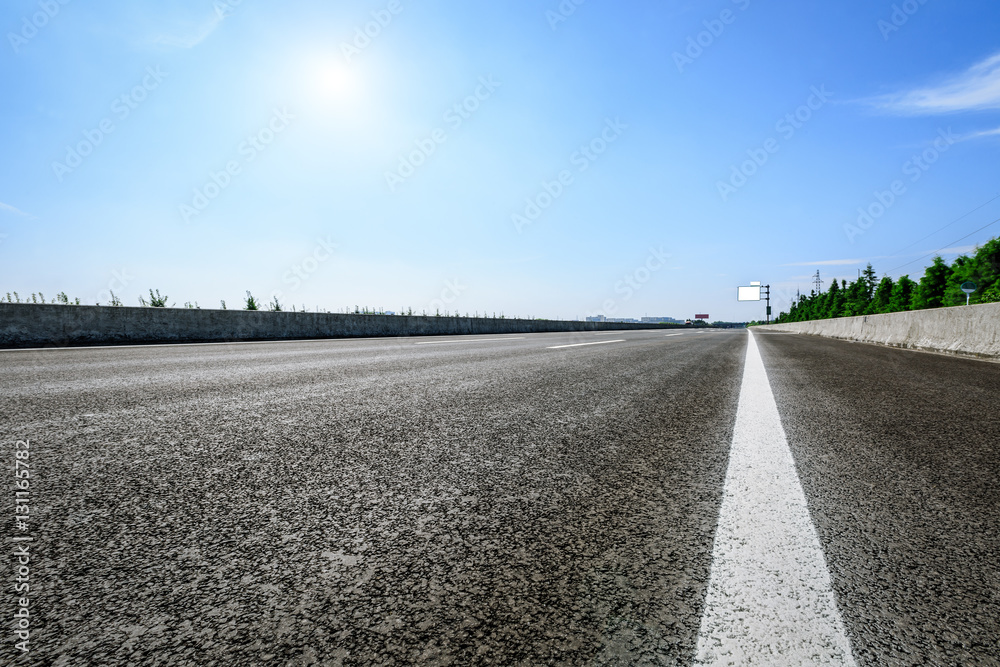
(958, 250)
(976, 89)
(827, 262)
(15, 211)
(986, 133)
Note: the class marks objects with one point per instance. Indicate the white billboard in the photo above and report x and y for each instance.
(748, 293)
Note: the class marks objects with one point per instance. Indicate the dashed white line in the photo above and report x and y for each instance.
(471, 340)
(769, 598)
(669, 335)
(600, 342)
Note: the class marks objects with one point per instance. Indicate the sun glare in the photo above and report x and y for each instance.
(336, 80)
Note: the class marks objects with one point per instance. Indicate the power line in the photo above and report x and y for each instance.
(946, 246)
(961, 217)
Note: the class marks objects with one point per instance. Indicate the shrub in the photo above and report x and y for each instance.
(155, 300)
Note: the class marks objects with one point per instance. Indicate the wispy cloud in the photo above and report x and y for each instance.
(958, 250)
(189, 36)
(986, 133)
(15, 211)
(827, 262)
(976, 89)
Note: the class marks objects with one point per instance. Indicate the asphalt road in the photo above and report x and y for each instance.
(496, 500)
(899, 455)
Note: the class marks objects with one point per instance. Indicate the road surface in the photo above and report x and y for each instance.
(567, 499)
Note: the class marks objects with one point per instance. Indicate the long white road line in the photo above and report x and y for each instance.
(769, 598)
(468, 340)
(600, 342)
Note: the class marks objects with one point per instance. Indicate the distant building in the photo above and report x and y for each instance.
(644, 320)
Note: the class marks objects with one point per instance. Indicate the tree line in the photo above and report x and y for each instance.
(939, 287)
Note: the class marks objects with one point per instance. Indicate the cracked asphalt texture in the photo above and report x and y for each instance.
(373, 502)
(899, 456)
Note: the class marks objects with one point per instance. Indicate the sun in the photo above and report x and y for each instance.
(335, 80)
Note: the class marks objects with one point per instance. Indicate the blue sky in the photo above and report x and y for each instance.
(536, 158)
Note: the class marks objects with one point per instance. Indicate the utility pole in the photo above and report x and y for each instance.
(767, 297)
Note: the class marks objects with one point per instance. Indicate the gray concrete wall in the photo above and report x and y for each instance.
(967, 330)
(38, 325)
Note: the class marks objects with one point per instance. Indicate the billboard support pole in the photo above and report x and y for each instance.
(751, 292)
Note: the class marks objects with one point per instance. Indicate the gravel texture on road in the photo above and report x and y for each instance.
(375, 502)
(502, 500)
(899, 456)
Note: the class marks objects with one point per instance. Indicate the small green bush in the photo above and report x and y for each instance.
(155, 300)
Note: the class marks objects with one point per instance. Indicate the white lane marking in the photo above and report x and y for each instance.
(669, 335)
(219, 342)
(600, 342)
(769, 598)
(471, 340)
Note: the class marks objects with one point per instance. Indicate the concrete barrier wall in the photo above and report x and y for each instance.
(971, 330)
(38, 325)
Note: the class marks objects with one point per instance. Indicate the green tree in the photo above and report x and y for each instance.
(835, 299)
(856, 298)
(902, 295)
(882, 299)
(870, 281)
(988, 268)
(983, 268)
(930, 292)
(939, 286)
(963, 269)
